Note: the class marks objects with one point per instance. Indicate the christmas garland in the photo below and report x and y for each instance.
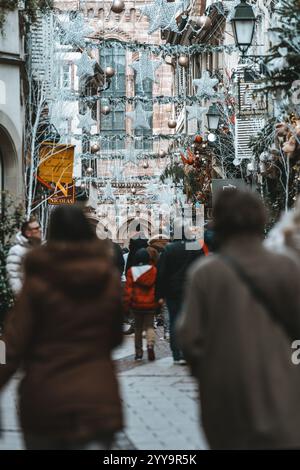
(162, 49)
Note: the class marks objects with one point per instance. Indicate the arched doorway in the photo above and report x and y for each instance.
(10, 179)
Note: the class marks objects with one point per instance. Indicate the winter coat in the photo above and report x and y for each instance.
(63, 329)
(140, 288)
(242, 358)
(135, 244)
(172, 267)
(14, 262)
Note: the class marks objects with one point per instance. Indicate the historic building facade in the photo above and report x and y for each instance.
(11, 106)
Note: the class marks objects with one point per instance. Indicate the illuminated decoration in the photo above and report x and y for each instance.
(145, 68)
(195, 112)
(205, 85)
(85, 65)
(161, 15)
(140, 117)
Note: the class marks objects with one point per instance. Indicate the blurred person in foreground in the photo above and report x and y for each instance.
(240, 316)
(65, 324)
(285, 235)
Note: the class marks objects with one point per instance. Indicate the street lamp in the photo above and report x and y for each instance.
(213, 118)
(243, 24)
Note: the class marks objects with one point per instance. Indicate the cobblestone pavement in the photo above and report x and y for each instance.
(159, 399)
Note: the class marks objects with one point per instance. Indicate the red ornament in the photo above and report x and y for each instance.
(198, 139)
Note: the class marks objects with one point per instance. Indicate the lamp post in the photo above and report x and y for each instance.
(213, 118)
(243, 24)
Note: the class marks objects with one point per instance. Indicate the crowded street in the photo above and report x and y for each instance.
(160, 405)
(149, 229)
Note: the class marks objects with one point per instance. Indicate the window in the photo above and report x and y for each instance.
(145, 90)
(66, 76)
(113, 124)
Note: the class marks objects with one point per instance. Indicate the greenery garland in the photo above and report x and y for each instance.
(162, 49)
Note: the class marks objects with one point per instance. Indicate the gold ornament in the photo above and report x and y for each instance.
(109, 71)
(172, 123)
(89, 171)
(95, 148)
(117, 6)
(162, 153)
(183, 61)
(105, 109)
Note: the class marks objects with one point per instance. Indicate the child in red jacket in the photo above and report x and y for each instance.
(140, 298)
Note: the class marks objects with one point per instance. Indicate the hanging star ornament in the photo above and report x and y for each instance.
(145, 68)
(130, 154)
(85, 121)
(195, 112)
(162, 15)
(117, 173)
(75, 31)
(152, 190)
(108, 192)
(205, 85)
(85, 65)
(140, 117)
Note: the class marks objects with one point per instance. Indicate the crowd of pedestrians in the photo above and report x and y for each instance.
(230, 306)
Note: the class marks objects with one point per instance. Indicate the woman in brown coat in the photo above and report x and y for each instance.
(66, 322)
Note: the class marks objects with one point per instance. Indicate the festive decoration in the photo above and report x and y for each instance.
(162, 154)
(139, 117)
(195, 112)
(117, 173)
(76, 30)
(117, 6)
(85, 65)
(95, 148)
(211, 137)
(145, 68)
(108, 192)
(183, 61)
(205, 85)
(161, 49)
(105, 110)
(161, 15)
(89, 171)
(109, 72)
(283, 60)
(130, 154)
(172, 123)
(85, 121)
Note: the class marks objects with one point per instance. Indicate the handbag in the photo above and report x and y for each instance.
(258, 294)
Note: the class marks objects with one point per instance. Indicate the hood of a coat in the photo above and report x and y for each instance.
(80, 270)
(21, 240)
(144, 275)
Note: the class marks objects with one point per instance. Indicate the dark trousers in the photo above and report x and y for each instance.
(174, 307)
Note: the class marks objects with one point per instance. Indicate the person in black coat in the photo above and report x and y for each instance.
(172, 267)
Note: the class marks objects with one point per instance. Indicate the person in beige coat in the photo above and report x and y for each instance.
(240, 316)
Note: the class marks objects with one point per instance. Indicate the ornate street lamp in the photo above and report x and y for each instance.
(213, 118)
(243, 24)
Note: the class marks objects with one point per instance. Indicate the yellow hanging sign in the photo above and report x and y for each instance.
(56, 162)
